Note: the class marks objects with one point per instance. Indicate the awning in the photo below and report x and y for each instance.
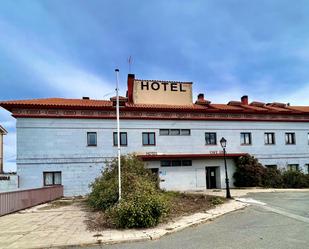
(155, 157)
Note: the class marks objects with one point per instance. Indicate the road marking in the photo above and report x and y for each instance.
(274, 210)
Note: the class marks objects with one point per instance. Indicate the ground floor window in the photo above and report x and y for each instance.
(307, 167)
(52, 178)
(271, 166)
(293, 167)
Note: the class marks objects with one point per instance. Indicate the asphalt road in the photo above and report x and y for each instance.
(283, 222)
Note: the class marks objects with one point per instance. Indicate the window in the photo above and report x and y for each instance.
(176, 163)
(308, 138)
(271, 166)
(289, 138)
(92, 138)
(245, 138)
(269, 138)
(149, 138)
(175, 132)
(123, 139)
(307, 166)
(211, 138)
(52, 178)
(293, 167)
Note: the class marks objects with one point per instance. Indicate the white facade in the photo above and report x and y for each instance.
(54, 144)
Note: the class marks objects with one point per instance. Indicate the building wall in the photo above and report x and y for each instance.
(8, 182)
(61, 144)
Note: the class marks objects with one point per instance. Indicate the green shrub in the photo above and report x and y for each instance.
(272, 178)
(140, 210)
(216, 200)
(295, 179)
(141, 205)
(249, 172)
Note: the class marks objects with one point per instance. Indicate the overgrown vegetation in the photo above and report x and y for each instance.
(142, 203)
(250, 173)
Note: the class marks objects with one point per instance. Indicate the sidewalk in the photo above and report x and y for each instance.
(43, 227)
(65, 226)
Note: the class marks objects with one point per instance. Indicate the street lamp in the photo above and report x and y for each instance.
(223, 145)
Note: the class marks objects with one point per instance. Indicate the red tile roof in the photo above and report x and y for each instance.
(107, 104)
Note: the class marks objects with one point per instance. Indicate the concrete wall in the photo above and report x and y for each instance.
(61, 145)
(8, 185)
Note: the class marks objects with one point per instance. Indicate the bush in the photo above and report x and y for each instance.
(141, 210)
(141, 204)
(249, 172)
(295, 179)
(272, 178)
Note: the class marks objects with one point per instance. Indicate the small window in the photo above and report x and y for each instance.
(149, 138)
(271, 166)
(245, 138)
(185, 132)
(164, 132)
(166, 163)
(308, 138)
(269, 138)
(174, 132)
(123, 139)
(290, 138)
(211, 138)
(52, 178)
(307, 166)
(92, 138)
(176, 163)
(186, 163)
(293, 167)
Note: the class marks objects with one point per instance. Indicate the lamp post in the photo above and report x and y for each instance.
(223, 145)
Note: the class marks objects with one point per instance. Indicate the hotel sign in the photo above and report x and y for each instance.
(162, 92)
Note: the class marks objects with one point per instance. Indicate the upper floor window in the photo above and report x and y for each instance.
(52, 178)
(123, 139)
(290, 138)
(308, 138)
(91, 138)
(269, 138)
(176, 163)
(293, 167)
(211, 138)
(175, 132)
(149, 138)
(245, 138)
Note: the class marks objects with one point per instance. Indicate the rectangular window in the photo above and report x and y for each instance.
(308, 138)
(176, 163)
(269, 138)
(149, 138)
(211, 138)
(123, 139)
(271, 166)
(293, 167)
(307, 168)
(175, 132)
(245, 138)
(91, 138)
(164, 132)
(290, 138)
(52, 178)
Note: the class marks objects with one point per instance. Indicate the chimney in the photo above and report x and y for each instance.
(244, 100)
(131, 78)
(86, 98)
(200, 97)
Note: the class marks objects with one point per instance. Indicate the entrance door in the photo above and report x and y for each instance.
(211, 177)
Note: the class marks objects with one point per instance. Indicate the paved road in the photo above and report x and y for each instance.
(282, 223)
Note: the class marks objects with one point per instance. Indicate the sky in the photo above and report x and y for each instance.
(227, 48)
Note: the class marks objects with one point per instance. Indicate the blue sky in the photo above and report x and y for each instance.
(228, 48)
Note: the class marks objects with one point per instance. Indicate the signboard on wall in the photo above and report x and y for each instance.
(162, 92)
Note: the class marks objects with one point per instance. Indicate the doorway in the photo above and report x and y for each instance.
(211, 177)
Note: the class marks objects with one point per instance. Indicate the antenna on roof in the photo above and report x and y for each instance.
(130, 62)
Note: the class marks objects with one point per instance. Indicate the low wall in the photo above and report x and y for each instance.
(17, 200)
